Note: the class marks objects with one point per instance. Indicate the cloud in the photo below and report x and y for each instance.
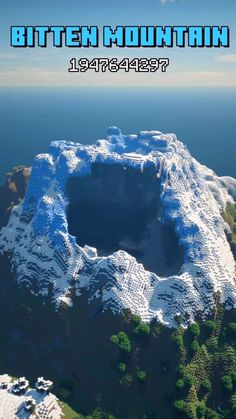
(41, 76)
(205, 74)
(7, 56)
(227, 58)
(170, 1)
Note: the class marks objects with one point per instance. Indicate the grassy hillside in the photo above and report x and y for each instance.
(106, 366)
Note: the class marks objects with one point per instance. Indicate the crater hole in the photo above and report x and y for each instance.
(118, 208)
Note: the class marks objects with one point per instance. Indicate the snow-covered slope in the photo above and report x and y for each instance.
(192, 198)
(19, 401)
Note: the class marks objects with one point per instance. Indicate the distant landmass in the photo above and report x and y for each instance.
(13, 191)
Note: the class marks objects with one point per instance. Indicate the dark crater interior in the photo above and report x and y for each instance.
(117, 208)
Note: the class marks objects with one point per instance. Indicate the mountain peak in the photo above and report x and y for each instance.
(133, 219)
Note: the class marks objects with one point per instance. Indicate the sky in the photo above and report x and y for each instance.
(49, 67)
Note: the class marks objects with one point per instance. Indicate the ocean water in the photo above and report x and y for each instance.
(203, 119)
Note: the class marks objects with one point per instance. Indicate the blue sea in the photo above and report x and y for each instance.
(205, 120)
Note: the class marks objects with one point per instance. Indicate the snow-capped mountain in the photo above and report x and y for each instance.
(184, 196)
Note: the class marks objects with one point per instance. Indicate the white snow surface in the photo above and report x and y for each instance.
(192, 198)
(12, 406)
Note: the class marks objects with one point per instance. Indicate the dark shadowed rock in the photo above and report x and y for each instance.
(13, 191)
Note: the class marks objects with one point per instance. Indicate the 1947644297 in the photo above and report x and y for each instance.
(113, 65)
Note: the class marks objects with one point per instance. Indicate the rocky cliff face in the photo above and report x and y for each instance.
(134, 220)
(13, 191)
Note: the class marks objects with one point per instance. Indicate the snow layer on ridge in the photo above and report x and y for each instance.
(192, 198)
